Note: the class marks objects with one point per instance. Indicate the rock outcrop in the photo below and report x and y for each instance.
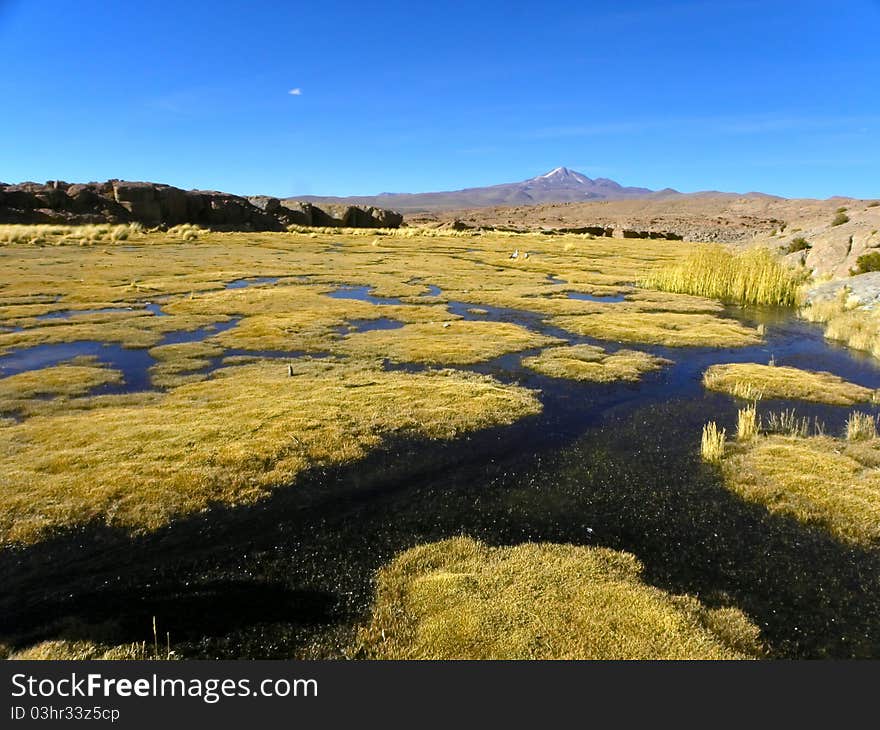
(834, 250)
(154, 204)
(862, 290)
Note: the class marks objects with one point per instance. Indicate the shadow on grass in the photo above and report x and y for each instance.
(306, 555)
(613, 465)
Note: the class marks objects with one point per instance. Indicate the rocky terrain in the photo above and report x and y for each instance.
(560, 185)
(827, 236)
(154, 204)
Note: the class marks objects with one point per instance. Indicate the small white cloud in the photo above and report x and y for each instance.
(295, 92)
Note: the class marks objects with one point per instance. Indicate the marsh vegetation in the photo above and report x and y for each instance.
(818, 479)
(752, 276)
(753, 381)
(235, 431)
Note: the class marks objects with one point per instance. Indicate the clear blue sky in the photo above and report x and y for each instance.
(771, 95)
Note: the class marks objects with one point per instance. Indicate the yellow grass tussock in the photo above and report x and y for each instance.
(661, 328)
(460, 599)
(747, 423)
(861, 426)
(712, 442)
(829, 482)
(591, 363)
(751, 381)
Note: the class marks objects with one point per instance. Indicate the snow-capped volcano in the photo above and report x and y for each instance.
(563, 175)
(559, 185)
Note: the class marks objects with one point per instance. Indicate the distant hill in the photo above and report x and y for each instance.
(560, 185)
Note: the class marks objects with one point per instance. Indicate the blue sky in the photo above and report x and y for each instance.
(778, 96)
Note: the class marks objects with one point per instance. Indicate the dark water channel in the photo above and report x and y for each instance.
(604, 464)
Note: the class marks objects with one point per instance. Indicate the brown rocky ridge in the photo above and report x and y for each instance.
(155, 204)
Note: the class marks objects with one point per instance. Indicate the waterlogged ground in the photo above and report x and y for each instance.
(612, 464)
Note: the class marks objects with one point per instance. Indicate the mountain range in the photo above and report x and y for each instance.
(560, 185)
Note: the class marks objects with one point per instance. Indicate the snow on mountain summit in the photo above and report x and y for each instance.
(562, 175)
(559, 185)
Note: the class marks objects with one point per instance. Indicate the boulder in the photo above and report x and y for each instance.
(173, 205)
(54, 198)
(860, 291)
(139, 199)
(18, 196)
(386, 218)
(269, 205)
(299, 214)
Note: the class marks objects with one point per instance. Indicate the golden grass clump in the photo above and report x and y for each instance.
(177, 363)
(787, 423)
(591, 363)
(451, 342)
(747, 423)
(14, 233)
(79, 650)
(461, 599)
(229, 440)
(712, 442)
(64, 234)
(828, 482)
(661, 328)
(857, 327)
(751, 381)
(861, 426)
(26, 393)
(753, 276)
(133, 329)
(185, 232)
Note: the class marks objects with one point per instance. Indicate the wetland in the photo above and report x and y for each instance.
(246, 436)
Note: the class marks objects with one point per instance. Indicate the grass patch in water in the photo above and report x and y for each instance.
(294, 317)
(592, 363)
(661, 328)
(25, 393)
(458, 342)
(460, 599)
(229, 440)
(856, 327)
(177, 363)
(753, 276)
(80, 650)
(752, 381)
(819, 480)
(132, 330)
